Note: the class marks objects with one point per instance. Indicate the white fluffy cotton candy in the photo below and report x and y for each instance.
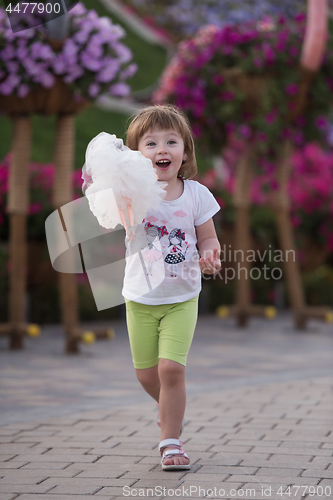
(113, 172)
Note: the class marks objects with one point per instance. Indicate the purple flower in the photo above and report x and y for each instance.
(91, 54)
(8, 53)
(47, 80)
(70, 52)
(23, 90)
(94, 90)
(74, 74)
(12, 66)
(39, 50)
(81, 36)
(22, 53)
(119, 89)
(59, 64)
(124, 53)
(89, 62)
(128, 72)
(7, 86)
(78, 10)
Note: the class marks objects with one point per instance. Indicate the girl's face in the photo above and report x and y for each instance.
(165, 148)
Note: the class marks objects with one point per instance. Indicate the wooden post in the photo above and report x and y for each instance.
(242, 236)
(18, 201)
(286, 237)
(63, 194)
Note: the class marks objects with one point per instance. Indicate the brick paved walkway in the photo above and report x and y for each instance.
(259, 418)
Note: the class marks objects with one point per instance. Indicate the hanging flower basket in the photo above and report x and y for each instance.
(245, 80)
(37, 76)
(253, 87)
(59, 99)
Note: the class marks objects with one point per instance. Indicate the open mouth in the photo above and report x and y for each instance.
(163, 164)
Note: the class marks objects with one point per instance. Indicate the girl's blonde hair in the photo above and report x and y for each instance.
(164, 117)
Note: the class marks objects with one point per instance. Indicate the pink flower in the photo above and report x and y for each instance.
(291, 89)
(35, 208)
(245, 131)
(197, 131)
(271, 117)
(227, 96)
(321, 122)
(218, 79)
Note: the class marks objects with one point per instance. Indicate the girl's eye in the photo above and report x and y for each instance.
(172, 142)
(151, 144)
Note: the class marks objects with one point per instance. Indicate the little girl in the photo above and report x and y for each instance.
(161, 322)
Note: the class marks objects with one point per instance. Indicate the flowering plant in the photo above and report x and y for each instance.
(92, 60)
(310, 190)
(244, 79)
(41, 182)
(183, 18)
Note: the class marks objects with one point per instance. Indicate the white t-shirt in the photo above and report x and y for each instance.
(162, 263)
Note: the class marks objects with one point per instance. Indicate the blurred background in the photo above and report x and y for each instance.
(166, 40)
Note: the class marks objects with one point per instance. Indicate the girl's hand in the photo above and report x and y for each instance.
(211, 264)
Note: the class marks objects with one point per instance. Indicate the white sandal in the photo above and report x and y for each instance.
(177, 449)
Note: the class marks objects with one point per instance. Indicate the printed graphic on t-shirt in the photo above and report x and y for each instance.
(151, 253)
(177, 250)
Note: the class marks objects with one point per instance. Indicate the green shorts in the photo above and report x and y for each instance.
(163, 331)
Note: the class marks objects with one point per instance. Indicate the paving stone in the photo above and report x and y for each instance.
(14, 449)
(264, 420)
(271, 479)
(75, 489)
(203, 477)
(19, 478)
(287, 462)
(283, 450)
(245, 442)
(214, 469)
(54, 497)
(221, 459)
(326, 482)
(12, 465)
(279, 471)
(325, 474)
(96, 470)
(24, 488)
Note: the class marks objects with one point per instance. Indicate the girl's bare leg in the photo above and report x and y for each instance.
(165, 383)
(172, 401)
(150, 381)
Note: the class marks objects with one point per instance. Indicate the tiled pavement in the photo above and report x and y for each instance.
(259, 418)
